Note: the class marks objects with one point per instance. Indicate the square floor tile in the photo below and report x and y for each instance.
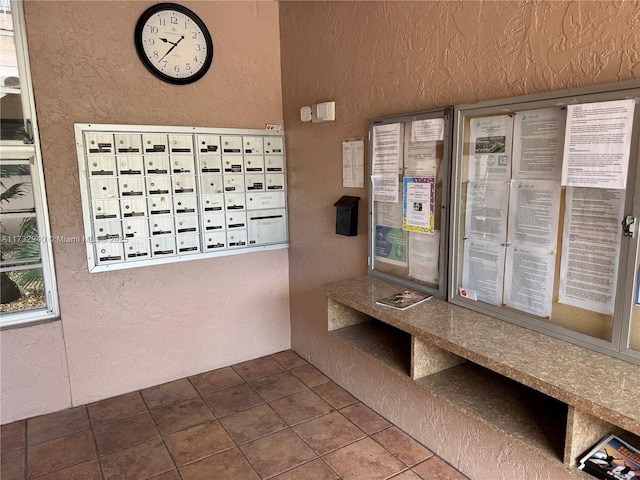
(139, 462)
(300, 407)
(276, 453)
(227, 465)
(365, 418)
(12, 465)
(335, 395)
(198, 442)
(435, 467)
(258, 368)
(168, 393)
(402, 446)
(277, 385)
(59, 453)
(215, 380)
(314, 470)
(181, 415)
(83, 471)
(55, 425)
(289, 359)
(125, 433)
(310, 375)
(329, 432)
(116, 408)
(253, 423)
(364, 460)
(12, 436)
(232, 400)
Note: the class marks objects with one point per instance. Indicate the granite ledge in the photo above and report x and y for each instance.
(572, 374)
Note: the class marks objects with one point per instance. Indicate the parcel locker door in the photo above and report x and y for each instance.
(101, 166)
(137, 249)
(267, 227)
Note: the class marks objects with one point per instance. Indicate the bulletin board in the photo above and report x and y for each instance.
(541, 188)
(153, 194)
(408, 222)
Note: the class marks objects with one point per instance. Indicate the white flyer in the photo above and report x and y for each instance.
(530, 272)
(386, 162)
(490, 148)
(428, 130)
(420, 157)
(424, 255)
(353, 164)
(483, 270)
(486, 210)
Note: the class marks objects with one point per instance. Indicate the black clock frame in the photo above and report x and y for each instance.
(146, 15)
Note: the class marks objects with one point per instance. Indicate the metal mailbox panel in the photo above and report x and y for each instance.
(155, 143)
(158, 185)
(104, 187)
(180, 143)
(236, 220)
(99, 143)
(267, 226)
(187, 224)
(208, 144)
(182, 164)
(237, 239)
(234, 201)
(135, 228)
(157, 165)
(162, 226)
(275, 181)
(233, 183)
(261, 200)
(273, 146)
(101, 166)
(163, 246)
(128, 143)
(184, 184)
(130, 165)
(133, 207)
(214, 221)
(254, 164)
(253, 145)
(232, 164)
(185, 204)
(132, 187)
(212, 203)
(188, 244)
(108, 252)
(210, 164)
(160, 205)
(274, 164)
(105, 209)
(108, 231)
(254, 183)
(231, 144)
(211, 184)
(137, 249)
(215, 241)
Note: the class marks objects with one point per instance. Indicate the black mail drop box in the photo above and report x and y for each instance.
(347, 216)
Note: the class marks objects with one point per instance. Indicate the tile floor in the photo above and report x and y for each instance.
(276, 417)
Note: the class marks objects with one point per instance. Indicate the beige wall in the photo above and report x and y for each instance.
(128, 329)
(384, 58)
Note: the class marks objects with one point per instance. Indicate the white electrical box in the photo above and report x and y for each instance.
(167, 194)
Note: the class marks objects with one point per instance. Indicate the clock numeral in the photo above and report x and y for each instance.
(195, 59)
(162, 22)
(164, 64)
(176, 68)
(187, 66)
(198, 47)
(153, 29)
(194, 35)
(155, 54)
(152, 41)
(174, 20)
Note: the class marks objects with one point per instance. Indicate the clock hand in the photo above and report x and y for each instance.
(167, 41)
(174, 46)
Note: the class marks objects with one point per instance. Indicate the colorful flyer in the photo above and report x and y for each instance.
(419, 203)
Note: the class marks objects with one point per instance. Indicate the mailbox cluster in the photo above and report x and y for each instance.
(157, 195)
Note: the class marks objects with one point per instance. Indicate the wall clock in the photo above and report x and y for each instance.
(173, 43)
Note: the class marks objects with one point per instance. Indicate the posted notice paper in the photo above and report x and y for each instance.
(419, 157)
(353, 164)
(486, 212)
(490, 149)
(483, 270)
(391, 245)
(424, 255)
(597, 144)
(530, 272)
(419, 200)
(385, 163)
(430, 129)
(591, 248)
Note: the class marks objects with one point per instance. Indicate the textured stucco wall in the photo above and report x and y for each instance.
(384, 58)
(128, 329)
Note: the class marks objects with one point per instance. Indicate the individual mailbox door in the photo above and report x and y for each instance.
(135, 228)
(155, 143)
(215, 241)
(101, 166)
(185, 204)
(237, 239)
(274, 164)
(254, 164)
(133, 207)
(232, 164)
(234, 201)
(254, 183)
(182, 164)
(132, 187)
(262, 200)
(163, 246)
(184, 184)
(158, 185)
(108, 252)
(273, 146)
(188, 244)
(128, 143)
(211, 184)
(267, 227)
(253, 145)
(236, 220)
(105, 209)
(180, 144)
(99, 143)
(210, 164)
(161, 226)
(108, 231)
(157, 165)
(138, 249)
(275, 182)
(213, 222)
(231, 144)
(208, 144)
(233, 183)
(104, 187)
(212, 203)
(187, 224)
(130, 165)
(160, 205)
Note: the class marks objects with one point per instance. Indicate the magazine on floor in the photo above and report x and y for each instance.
(612, 458)
(404, 299)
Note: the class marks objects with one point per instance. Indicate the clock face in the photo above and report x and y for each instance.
(173, 43)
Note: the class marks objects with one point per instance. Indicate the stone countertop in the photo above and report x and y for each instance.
(594, 383)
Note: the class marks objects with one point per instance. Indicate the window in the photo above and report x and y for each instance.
(26, 263)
